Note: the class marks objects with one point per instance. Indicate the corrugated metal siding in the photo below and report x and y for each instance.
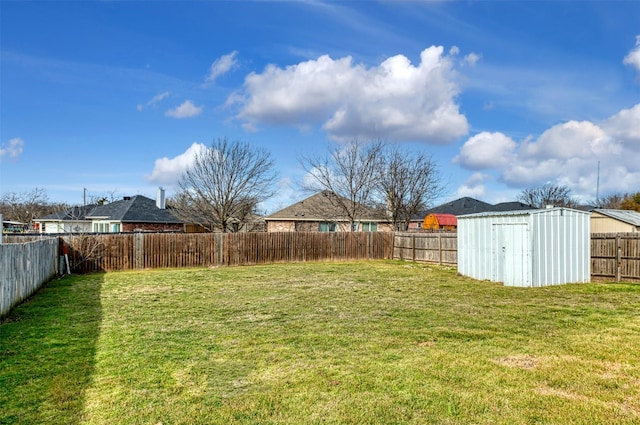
(531, 248)
(561, 246)
(478, 250)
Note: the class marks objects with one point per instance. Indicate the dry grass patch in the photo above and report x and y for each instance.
(332, 343)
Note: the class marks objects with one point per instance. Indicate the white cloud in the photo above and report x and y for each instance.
(186, 110)
(394, 100)
(633, 58)
(569, 140)
(471, 59)
(625, 127)
(221, 66)
(154, 100)
(486, 150)
(566, 154)
(474, 187)
(12, 149)
(167, 171)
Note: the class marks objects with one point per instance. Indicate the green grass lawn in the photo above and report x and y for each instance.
(333, 343)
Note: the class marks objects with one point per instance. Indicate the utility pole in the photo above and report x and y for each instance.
(598, 185)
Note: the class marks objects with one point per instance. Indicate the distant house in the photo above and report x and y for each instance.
(11, 226)
(322, 213)
(614, 221)
(464, 206)
(131, 214)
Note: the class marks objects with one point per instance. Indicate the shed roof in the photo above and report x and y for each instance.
(627, 216)
(522, 212)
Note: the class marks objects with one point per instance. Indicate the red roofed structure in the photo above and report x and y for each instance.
(440, 222)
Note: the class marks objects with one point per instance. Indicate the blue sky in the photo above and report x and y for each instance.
(116, 96)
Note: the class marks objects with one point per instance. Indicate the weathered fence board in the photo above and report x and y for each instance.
(441, 248)
(90, 253)
(24, 267)
(615, 256)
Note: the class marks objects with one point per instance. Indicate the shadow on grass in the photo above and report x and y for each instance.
(47, 352)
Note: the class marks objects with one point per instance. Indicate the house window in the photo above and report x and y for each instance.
(369, 227)
(325, 226)
(115, 227)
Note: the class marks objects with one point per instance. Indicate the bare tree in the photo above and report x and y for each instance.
(621, 201)
(224, 185)
(25, 207)
(613, 201)
(349, 171)
(549, 194)
(102, 198)
(408, 183)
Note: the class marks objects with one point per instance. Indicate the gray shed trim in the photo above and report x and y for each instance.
(526, 248)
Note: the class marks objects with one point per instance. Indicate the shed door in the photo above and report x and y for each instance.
(511, 254)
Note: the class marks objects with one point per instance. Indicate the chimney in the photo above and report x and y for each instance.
(160, 201)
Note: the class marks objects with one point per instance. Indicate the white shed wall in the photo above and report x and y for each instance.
(525, 248)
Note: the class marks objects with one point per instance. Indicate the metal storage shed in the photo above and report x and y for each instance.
(526, 248)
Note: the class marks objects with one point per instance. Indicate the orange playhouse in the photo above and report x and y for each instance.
(440, 222)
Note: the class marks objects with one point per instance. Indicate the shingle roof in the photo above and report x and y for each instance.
(512, 206)
(72, 214)
(467, 205)
(134, 209)
(630, 217)
(321, 206)
(460, 206)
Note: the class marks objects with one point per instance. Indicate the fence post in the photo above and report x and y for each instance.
(440, 248)
(618, 257)
(413, 247)
(138, 251)
(393, 247)
(219, 247)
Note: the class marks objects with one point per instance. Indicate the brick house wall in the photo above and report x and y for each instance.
(312, 226)
(281, 226)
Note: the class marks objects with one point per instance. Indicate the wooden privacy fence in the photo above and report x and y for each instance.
(441, 248)
(24, 267)
(615, 256)
(88, 253)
